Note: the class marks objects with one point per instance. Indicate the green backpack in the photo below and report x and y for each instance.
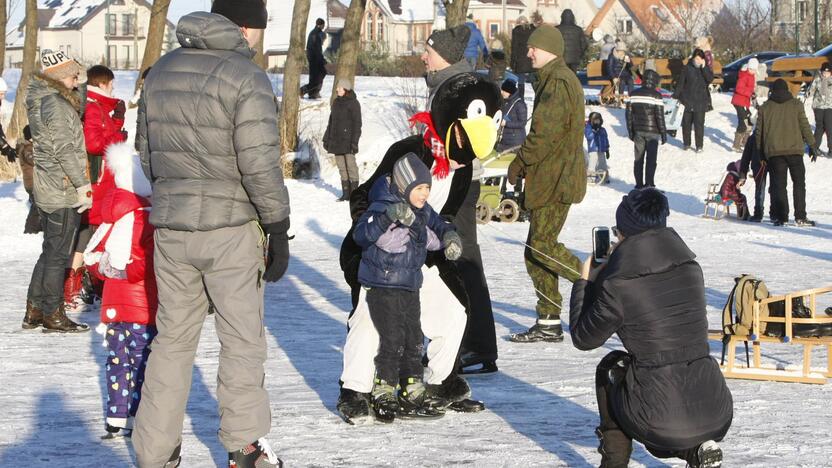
(738, 313)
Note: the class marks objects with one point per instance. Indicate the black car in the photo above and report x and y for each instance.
(730, 71)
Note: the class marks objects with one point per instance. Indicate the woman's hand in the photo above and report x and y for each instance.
(590, 270)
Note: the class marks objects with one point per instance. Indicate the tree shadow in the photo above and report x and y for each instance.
(59, 434)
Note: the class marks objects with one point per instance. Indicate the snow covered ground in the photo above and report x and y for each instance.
(541, 408)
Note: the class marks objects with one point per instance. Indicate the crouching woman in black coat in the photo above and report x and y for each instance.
(665, 391)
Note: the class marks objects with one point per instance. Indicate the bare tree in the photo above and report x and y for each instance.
(455, 11)
(155, 36)
(30, 45)
(4, 19)
(741, 27)
(350, 43)
(291, 83)
(693, 17)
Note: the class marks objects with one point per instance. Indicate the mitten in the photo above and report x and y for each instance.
(453, 245)
(84, 198)
(120, 110)
(277, 258)
(402, 213)
(607, 154)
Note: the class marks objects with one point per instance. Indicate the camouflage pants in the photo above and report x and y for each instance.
(546, 258)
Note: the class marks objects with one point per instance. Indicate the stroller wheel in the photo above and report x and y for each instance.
(483, 213)
(509, 211)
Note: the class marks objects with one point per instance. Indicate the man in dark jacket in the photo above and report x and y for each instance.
(552, 162)
(666, 391)
(646, 127)
(692, 92)
(574, 40)
(515, 116)
(782, 131)
(521, 64)
(317, 63)
(220, 208)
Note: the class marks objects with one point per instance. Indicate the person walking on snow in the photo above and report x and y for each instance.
(221, 214)
(316, 60)
(521, 65)
(552, 162)
(62, 186)
(476, 44)
(692, 92)
(821, 93)
(574, 40)
(743, 93)
(342, 134)
(646, 128)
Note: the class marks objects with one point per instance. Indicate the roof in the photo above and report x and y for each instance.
(657, 19)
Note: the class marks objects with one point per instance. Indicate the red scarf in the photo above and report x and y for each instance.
(434, 142)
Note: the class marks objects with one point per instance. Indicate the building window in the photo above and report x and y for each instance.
(127, 63)
(493, 30)
(110, 25)
(625, 26)
(127, 25)
(112, 57)
(369, 29)
(802, 11)
(380, 27)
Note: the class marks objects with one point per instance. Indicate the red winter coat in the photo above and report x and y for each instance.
(100, 131)
(746, 83)
(133, 299)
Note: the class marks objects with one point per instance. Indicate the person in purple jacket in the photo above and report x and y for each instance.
(395, 234)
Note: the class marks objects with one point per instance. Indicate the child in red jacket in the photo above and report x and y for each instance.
(731, 191)
(121, 254)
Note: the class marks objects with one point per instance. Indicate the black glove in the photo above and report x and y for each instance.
(8, 152)
(354, 150)
(664, 138)
(813, 154)
(607, 154)
(277, 259)
(120, 110)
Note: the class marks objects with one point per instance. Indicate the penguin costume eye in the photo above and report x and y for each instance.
(498, 118)
(476, 109)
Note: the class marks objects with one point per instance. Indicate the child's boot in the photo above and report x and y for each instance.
(385, 405)
(414, 401)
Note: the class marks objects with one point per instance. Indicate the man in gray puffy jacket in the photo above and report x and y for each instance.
(61, 186)
(207, 135)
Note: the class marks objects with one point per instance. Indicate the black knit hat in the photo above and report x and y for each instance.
(780, 85)
(826, 67)
(244, 13)
(509, 86)
(450, 44)
(641, 210)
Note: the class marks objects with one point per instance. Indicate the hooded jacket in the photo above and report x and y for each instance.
(100, 131)
(207, 132)
(393, 254)
(574, 40)
(746, 85)
(515, 115)
(344, 127)
(782, 127)
(692, 87)
(597, 140)
(125, 240)
(520, 62)
(652, 295)
(645, 108)
(58, 136)
(821, 92)
(475, 42)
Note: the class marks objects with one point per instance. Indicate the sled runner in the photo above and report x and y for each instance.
(765, 326)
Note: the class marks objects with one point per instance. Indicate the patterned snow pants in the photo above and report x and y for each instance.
(128, 349)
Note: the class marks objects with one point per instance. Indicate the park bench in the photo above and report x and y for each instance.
(754, 369)
(796, 71)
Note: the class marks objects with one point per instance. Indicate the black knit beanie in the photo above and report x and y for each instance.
(244, 13)
(509, 86)
(450, 44)
(641, 210)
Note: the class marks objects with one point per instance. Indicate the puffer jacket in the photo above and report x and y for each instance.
(597, 140)
(574, 39)
(344, 127)
(520, 62)
(746, 84)
(645, 108)
(652, 295)
(692, 88)
(100, 131)
(618, 68)
(392, 254)
(476, 43)
(782, 127)
(58, 135)
(515, 115)
(821, 92)
(207, 132)
(26, 158)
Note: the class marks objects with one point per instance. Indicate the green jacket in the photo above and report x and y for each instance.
(552, 154)
(783, 128)
(58, 135)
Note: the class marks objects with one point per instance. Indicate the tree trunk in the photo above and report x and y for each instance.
(350, 44)
(291, 83)
(259, 57)
(455, 11)
(30, 44)
(155, 36)
(4, 17)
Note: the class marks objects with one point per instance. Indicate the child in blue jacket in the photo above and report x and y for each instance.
(395, 234)
(597, 149)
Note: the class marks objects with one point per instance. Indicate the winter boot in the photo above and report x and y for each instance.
(804, 222)
(33, 318)
(114, 432)
(707, 455)
(57, 322)
(257, 454)
(385, 404)
(414, 401)
(175, 457)
(72, 289)
(615, 448)
(485, 363)
(354, 407)
(454, 394)
(738, 142)
(547, 328)
(742, 213)
(345, 190)
(91, 288)
(758, 215)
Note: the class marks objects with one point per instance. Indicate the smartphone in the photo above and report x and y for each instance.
(600, 244)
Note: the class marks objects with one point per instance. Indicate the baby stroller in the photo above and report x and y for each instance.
(497, 199)
(672, 112)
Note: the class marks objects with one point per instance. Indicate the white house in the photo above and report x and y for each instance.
(551, 10)
(109, 32)
(279, 27)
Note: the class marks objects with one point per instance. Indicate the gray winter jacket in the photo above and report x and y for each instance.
(58, 135)
(821, 92)
(207, 132)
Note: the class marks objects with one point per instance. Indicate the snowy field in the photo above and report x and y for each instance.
(541, 408)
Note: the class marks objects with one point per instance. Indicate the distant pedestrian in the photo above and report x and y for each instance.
(342, 134)
(521, 64)
(515, 117)
(743, 93)
(496, 62)
(574, 40)
(646, 128)
(821, 94)
(693, 93)
(619, 69)
(315, 58)
(476, 44)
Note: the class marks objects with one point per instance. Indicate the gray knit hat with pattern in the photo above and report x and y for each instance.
(408, 172)
(450, 43)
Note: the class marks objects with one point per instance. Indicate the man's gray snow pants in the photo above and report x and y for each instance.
(226, 264)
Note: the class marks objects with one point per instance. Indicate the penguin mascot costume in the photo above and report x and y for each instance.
(461, 125)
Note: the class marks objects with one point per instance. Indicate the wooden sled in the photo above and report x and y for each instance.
(754, 369)
(715, 206)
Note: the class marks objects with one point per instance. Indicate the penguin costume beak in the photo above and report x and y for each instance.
(481, 132)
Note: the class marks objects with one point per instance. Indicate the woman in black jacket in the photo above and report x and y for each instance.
(342, 134)
(692, 92)
(666, 391)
